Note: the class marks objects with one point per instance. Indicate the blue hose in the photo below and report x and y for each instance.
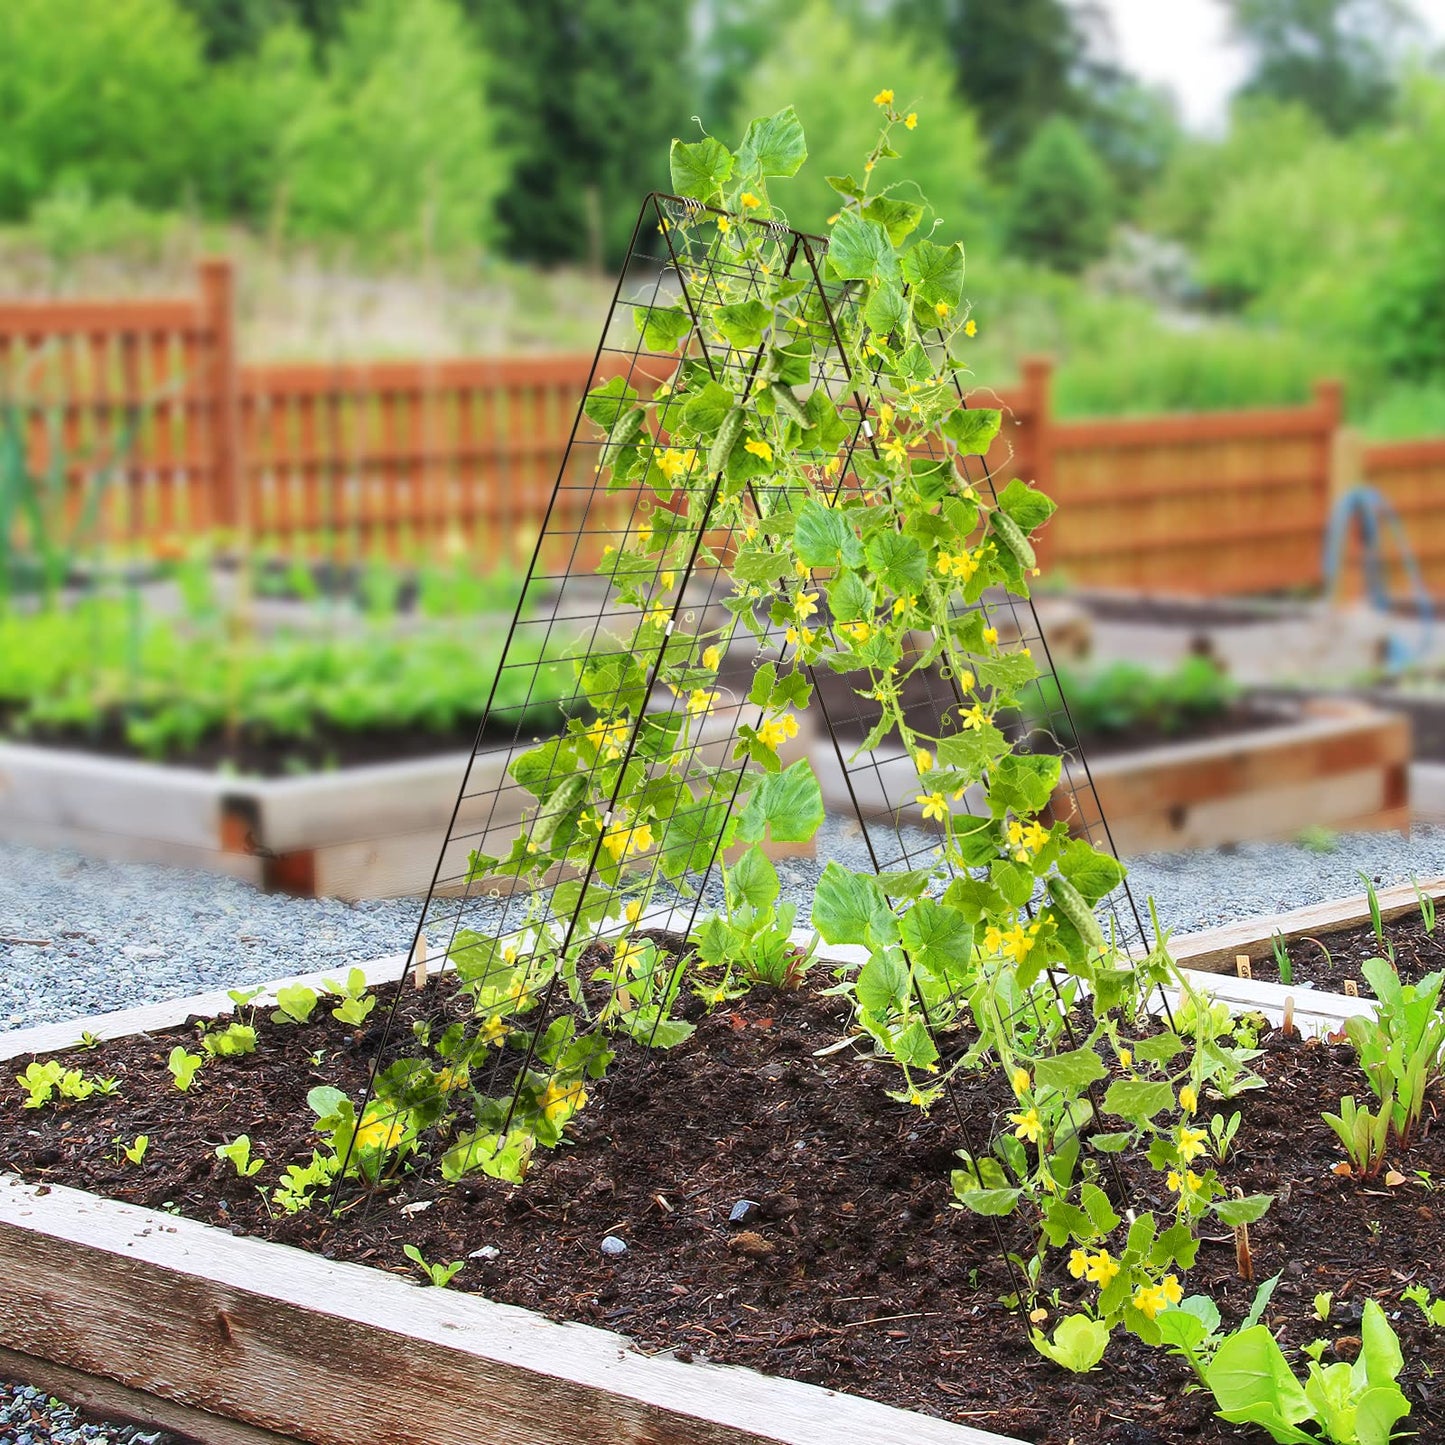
(1373, 512)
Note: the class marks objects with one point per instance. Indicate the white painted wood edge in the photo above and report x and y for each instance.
(1328, 1008)
(775, 1409)
(1332, 916)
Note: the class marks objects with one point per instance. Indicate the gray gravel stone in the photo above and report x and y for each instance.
(79, 936)
(31, 1417)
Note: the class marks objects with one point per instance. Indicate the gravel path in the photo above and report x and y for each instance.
(31, 1417)
(79, 936)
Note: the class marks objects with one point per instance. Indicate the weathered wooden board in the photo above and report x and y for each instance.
(120, 1405)
(1215, 949)
(339, 1354)
(1342, 765)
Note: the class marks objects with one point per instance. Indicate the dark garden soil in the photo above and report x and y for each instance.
(259, 754)
(1416, 953)
(849, 1270)
(1243, 716)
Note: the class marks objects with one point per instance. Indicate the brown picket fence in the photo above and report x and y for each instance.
(405, 458)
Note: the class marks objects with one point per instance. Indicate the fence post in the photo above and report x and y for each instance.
(218, 311)
(1036, 376)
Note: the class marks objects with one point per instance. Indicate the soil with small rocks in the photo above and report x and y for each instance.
(779, 1211)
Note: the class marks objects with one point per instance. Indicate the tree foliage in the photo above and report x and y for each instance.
(397, 141)
(1063, 203)
(1015, 63)
(588, 94)
(1337, 58)
(822, 64)
(95, 91)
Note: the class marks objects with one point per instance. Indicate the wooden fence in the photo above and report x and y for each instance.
(1412, 476)
(405, 457)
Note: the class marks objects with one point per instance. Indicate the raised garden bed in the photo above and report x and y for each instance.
(369, 831)
(848, 1272)
(1335, 763)
(1327, 942)
(1255, 642)
(1338, 764)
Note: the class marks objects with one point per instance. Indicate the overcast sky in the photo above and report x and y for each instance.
(1184, 44)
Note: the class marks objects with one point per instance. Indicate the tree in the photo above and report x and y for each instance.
(1063, 205)
(1336, 57)
(97, 93)
(398, 142)
(1015, 63)
(233, 28)
(830, 71)
(588, 94)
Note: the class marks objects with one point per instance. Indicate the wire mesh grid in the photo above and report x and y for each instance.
(610, 558)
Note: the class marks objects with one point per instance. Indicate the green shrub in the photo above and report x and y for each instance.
(823, 66)
(398, 142)
(1063, 204)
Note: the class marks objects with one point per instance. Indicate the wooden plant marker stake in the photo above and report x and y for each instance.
(1242, 965)
(1352, 989)
(418, 962)
(1286, 1026)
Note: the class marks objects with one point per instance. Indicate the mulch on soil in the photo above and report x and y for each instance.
(255, 753)
(1335, 958)
(851, 1270)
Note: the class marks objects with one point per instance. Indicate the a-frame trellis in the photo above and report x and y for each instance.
(630, 559)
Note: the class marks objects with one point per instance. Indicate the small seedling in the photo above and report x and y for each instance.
(238, 1152)
(355, 1006)
(244, 997)
(1317, 839)
(1323, 1301)
(439, 1275)
(1221, 1134)
(1427, 907)
(295, 1003)
(1282, 959)
(184, 1066)
(1372, 900)
(136, 1152)
(230, 1042)
(1432, 1309)
(88, 1040)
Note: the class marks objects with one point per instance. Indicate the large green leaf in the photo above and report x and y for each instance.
(705, 411)
(788, 806)
(1023, 782)
(1070, 1071)
(752, 880)
(774, 146)
(1093, 873)
(938, 937)
(1078, 1343)
(882, 984)
(743, 323)
(699, 168)
(898, 561)
(1028, 507)
(605, 404)
(824, 537)
(1252, 1384)
(859, 250)
(972, 429)
(1138, 1098)
(935, 272)
(662, 327)
(847, 905)
(897, 218)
